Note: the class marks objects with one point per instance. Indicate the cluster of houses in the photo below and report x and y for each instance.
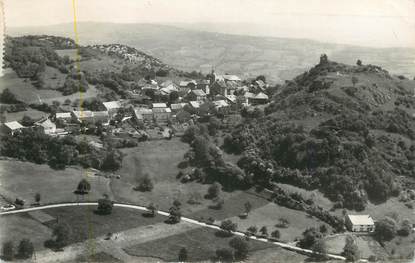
(223, 91)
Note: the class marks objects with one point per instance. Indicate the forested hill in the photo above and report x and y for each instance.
(347, 130)
(49, 62)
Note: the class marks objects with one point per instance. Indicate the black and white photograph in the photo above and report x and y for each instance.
(260, 131)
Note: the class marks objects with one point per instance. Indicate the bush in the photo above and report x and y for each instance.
(241, 247)
(224, 255)
(25, 249)
(146, 184)
(8, 250)
(385, 229)
(104, 206)
(214, 190)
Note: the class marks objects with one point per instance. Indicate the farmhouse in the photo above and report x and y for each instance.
(196, 94)
(63, 116)
(12, 127)
(177, 107)
(161, 114)
(360, 223)
(101, 116)
(46, 126)
(83, 116)
(143, 114)
(112, 107)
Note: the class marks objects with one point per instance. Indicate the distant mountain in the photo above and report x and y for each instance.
(277, 58)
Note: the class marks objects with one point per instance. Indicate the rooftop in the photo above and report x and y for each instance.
(13, 125)
(60, 115)
(112, 104)
(361, 219)
(159, 105)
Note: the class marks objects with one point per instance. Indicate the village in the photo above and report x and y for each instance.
(224, 94)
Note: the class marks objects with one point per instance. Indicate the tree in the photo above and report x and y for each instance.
(25, 249)
(37, 198)
(354, 80)
(385, 229)
(61, 233)
(8, 97)
(228, 226)
(406, 228)
(152, 209)
(241, 247)
(83, 187)
(177, 203)
(146, 184)
(105, 206)
(351, 250)
(248, 207)
(359, 62)
(320, 248)
(219, 202)
(264, 231)
(8, 250)
(175, 214)
(323, 229)
(27, 121)
(214, 190)
(224, 255)
(310, 237)
(183, 254)
(276, 234)
(252, 229)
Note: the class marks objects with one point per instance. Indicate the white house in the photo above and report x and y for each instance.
(12, 127)
(112, 107)
(64, 116)
(360, 223)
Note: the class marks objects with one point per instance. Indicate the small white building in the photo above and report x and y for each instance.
(12, 127)
(112, 107)
(360, 223)
(64, 116)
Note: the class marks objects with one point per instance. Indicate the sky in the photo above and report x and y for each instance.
(378, 23)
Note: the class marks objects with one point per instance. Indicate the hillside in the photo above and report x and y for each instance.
(277, 58)
(346, 130)
(44, 66)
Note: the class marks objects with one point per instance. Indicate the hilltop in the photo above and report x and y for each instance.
(346, 130)
(278, 59)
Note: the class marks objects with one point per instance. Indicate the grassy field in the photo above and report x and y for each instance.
(23, 180)
(16, 227)
(16, 116)
(27, 93)
(200, 243)
(85, 224)
(367, 245)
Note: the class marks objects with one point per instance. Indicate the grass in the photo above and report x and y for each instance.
(16, 116)
(23, 180)
(99, 257)
(367, 245)
(16, 227)
(27, 93)
(85, 224)
(200, 243)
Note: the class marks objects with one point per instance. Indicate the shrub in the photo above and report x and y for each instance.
(241, 247)
(25, 249)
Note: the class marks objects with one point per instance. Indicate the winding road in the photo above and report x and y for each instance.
(185, 219)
